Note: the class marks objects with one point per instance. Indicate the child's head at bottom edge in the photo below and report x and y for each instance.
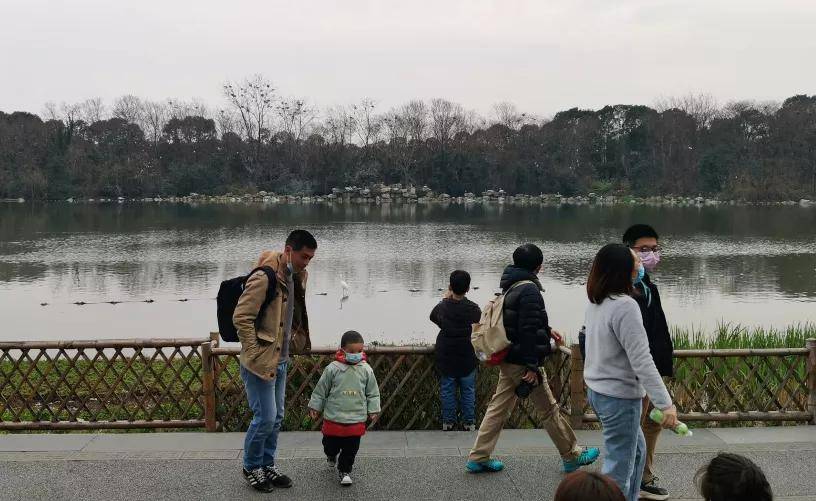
(352, 342)
(732, 477)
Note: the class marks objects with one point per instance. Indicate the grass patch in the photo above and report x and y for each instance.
(736, 336)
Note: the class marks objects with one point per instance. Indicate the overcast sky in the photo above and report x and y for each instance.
(544, 56)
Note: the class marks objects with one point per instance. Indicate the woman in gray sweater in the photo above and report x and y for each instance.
(619, 370)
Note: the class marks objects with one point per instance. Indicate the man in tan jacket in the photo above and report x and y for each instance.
(267, 338)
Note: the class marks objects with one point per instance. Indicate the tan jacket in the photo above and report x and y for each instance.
(261, 347)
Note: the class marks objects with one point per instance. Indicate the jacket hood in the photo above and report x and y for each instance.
(270, 258)
(275, 259)
(513, 274)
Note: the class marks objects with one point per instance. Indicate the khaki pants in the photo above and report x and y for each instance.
(502, 404)
(651, 431)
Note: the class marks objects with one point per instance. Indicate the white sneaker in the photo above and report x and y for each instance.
(345, 479)
(447, 426)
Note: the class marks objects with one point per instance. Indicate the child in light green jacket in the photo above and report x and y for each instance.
(346, 395)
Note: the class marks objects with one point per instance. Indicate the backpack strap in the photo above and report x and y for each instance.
(520, 282)
(271, 290)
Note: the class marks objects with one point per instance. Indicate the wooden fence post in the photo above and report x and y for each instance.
(208, 386)
(214, 337)
(577, 394)
(810, 344)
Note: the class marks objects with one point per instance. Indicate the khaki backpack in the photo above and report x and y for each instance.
(489, 336)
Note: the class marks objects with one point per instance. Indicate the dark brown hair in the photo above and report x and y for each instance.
(611, 273)
(588, 486)
(731, 477)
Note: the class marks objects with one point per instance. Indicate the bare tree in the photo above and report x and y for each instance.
(155, 115)
(254, 101)
(508, 115)
(702, 107)
(296, 117)
(128, 108)
(447, 119)
(179, 108)
(735, 108)
(415, 118)
(93, 110)
(394, 126)
(472, 121)
(51, 111)
(68, 114)
(367, 124)
(226, 120)
(339, 125)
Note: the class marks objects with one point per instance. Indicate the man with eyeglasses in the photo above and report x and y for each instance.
(643, 239)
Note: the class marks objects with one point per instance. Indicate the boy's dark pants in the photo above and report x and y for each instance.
(347, 447)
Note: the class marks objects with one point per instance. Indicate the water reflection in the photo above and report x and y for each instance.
(719, 263)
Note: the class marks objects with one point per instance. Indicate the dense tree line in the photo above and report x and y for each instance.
(260, 141)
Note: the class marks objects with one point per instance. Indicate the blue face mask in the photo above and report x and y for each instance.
(641, 272)
(354, 358)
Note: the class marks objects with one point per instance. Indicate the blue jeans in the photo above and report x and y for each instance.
(466, 401)
(266, 399)
(623, 440)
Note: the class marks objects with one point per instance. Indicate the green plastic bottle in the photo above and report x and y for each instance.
(681, 429)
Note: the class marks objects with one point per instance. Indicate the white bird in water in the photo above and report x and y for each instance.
(345, 287)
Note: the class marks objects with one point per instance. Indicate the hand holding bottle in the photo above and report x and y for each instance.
(670, 421)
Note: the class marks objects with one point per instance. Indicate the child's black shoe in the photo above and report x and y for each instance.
(345, 478)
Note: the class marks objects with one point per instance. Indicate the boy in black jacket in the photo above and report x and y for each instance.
(455, 358)
(643, 239)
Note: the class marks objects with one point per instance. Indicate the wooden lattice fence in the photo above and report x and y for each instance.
(409, 388)
(101, 384)
(195, 383)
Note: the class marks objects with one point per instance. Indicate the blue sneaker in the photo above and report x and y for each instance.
(484, 466)
(587, 457)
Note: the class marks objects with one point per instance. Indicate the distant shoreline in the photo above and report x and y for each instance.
(398, 195)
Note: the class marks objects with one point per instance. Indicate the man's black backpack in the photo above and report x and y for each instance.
(227, 300)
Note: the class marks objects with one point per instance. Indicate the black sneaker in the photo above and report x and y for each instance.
(650, 490)
(257, 480)
(276, 478)
(331, 461)
(345, 478)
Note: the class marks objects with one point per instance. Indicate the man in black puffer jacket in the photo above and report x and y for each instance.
(528, 329)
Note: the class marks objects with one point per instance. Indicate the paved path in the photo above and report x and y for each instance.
(391, 465)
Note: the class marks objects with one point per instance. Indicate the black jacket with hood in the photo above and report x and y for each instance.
(525, 318)
(657, 329)
(454, 352)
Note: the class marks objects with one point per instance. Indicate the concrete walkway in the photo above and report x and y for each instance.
(391, 465)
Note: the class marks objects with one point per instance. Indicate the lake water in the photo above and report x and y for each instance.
(749, 265)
